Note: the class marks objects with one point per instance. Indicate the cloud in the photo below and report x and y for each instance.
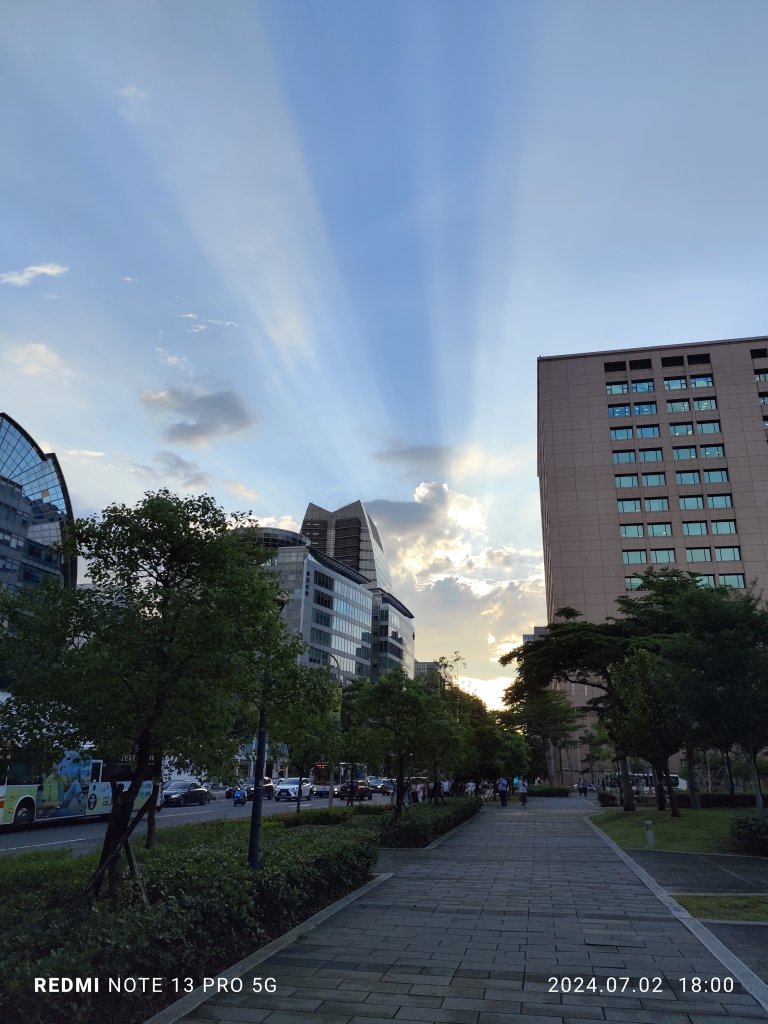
(241, 489)
(198, 417)
(457, 462)
(168, 467)
(36, 359)
(83, 453)
(131, 280)
(197, 328)
(21, 278)
(223, 323)
(177, 362)
(131, 92)
(188, 316)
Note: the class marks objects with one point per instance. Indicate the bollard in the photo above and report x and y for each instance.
(649, 834)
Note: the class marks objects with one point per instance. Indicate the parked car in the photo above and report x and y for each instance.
(388, 786)
(362, 791)
(288, 789)
(375, 783)
(180, 793)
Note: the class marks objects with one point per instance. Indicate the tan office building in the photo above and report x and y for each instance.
(652, 457)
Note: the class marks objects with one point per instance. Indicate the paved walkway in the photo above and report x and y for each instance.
(502, 922)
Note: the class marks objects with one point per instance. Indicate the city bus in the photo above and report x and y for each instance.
(78, 786)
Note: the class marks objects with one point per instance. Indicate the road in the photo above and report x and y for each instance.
(85, 837)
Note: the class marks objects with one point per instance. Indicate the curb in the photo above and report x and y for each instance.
(746, 977)
(186, 1004)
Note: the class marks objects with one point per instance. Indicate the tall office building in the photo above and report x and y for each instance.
(34, 506)
(653, 457)
(349, 535)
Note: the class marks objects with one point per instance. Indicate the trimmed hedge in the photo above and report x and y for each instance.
(207, 911)
(607, 799)
(548, 791)
(421, 825)
(749, 834)
(718, 799)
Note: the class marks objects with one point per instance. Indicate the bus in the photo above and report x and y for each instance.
(77, 787)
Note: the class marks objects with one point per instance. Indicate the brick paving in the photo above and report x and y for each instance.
(503, 922)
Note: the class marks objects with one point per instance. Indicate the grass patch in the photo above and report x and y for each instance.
(727, 908)
(705, 831)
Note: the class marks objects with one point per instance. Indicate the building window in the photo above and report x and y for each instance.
(654, 479)
(628, 456)
(672, 361)
(762, 376)
(650, 455)
(719, 501)
(621, 433)
(657, 504)
(682, 405)
(675, 383)
(324, 600)
(626, 481)
(619, 388)
(723, 526)
(734, 579)
(665, 555)
(685, 479)
(698, 360)
(728, 554)
(701, 380)
(628, 504)
(705, 404)
(708, 427)
(634, 557)
(633, 583)
(631, 529)
(695, 529)
(684, 453)
(640, 364)
(319, 636)
(615, 367)
(759, 353)
(693, 501)
(698, 554)
(659, 529)
(642, 385)
(619, 410)
(650, 431)
(323, 580)
(715, 476)
(763, 398)
(645, 409)
(680, 429)
(705, 581)
(712, 451)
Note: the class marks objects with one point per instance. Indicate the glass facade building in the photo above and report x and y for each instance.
(350, 536)
(34, 506)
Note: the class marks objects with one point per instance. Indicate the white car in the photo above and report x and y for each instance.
(288, 789)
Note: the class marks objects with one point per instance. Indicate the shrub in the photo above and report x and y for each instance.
(207, 910)
(749, 834)
(606, 799)
(421, 825)
(718, 799)
(548, 791)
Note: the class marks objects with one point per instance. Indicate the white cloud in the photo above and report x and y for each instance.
(177, 362)
(131, 280)
(35, 359)
(21, 278)
(131, 92)
(196, 328)
(241, 489)
(188, 316)
(223, 323)
(83, 453)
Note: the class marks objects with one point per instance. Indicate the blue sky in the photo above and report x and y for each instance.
(288, 251)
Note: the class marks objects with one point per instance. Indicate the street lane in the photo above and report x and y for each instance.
(85, 837)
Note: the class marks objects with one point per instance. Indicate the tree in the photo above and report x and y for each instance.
(544, 717)
(169, 653)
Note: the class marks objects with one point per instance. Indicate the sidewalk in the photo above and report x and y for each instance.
(502, 922)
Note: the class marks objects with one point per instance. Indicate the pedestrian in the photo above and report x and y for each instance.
(583, 788)
(446, 788)
(502, 785)
(522, 789)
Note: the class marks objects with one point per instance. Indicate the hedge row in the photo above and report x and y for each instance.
(749, 834)
(549, 791)
(207, 911)
(421, 825)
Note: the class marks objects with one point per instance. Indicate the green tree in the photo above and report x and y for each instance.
(169, 653)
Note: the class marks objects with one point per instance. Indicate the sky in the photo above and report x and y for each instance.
(283, 251)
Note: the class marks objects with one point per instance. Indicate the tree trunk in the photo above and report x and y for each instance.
(119, 821)
(254, 842)
(550, 762)
(152, 807)
(400, 787)
(627, 796)
(658, 785)
(729, 770)
(693, 785)
(674, 809)
(759, 803)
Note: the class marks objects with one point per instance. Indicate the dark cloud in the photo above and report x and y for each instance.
(168, 466)
(420, 459)
(198, 417)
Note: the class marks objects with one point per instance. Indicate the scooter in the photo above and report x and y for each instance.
(240, 797)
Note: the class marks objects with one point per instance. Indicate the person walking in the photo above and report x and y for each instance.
(522, 790)
(582, 784)
(503, 786)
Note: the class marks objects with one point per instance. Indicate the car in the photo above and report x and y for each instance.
(183, 792)
(375, 783)
(362, 791)
(321, 789)
(268, 789)
(288, 789)
(388, 786)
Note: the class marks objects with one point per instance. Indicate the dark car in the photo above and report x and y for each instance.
(375, 783)
(178, 794)
(267, 786)
(362, 791)
(388, 786)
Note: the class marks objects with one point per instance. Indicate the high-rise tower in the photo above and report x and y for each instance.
(350, 536)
